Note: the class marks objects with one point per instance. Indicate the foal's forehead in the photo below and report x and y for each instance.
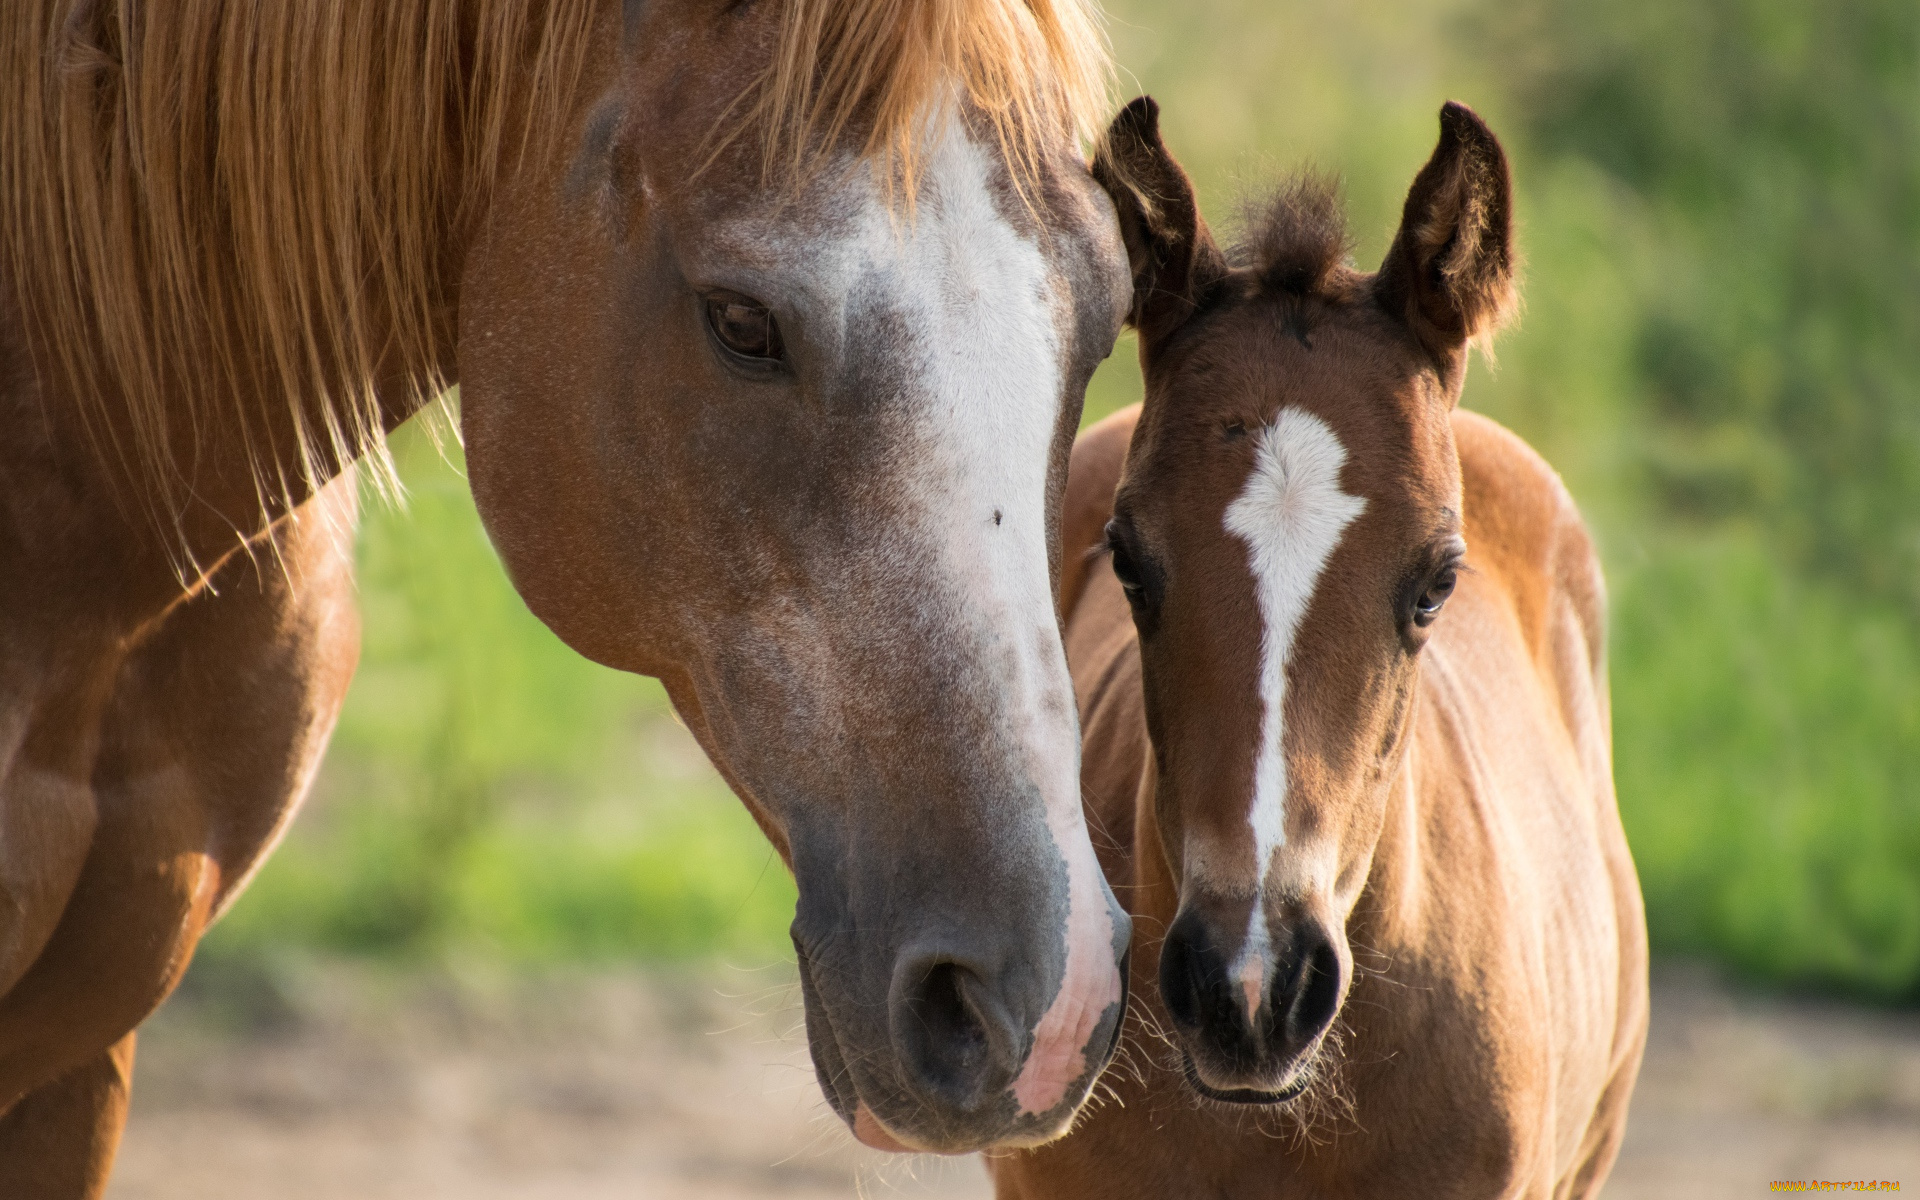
(1247, 367)
(845, 245)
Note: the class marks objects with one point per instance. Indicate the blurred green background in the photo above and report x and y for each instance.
(1720, 350)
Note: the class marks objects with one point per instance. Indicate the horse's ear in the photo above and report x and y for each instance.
(1449, 273)
(1175, 261)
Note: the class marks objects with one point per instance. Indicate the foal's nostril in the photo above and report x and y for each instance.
(1194, 985)
(1179, 979)
(1209, 1006)
(943, 1036)
(1312, 995)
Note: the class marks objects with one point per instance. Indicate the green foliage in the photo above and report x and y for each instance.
(489, 791)
(1776, 331)
(1767, 750)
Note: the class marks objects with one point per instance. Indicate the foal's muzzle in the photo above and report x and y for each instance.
(1250, 1023)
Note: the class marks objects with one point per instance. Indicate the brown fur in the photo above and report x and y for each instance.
(197, 743)
(1452, 812)
(1299, 238)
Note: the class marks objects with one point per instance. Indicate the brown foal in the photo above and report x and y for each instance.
(1338, 649)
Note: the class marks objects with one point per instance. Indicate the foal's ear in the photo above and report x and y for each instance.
(1175, 261)
(1449, 272)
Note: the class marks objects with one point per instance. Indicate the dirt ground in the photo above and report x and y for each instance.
(342, 1083)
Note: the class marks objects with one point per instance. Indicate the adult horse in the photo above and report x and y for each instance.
(772, 323)
(1343, 689)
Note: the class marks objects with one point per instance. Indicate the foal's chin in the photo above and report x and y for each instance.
(1269, 1087)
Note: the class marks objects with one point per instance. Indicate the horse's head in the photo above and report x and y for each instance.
(794, 441)
(1287, 530)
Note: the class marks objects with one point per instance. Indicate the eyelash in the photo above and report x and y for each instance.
(1431, 593)
(1124, 569)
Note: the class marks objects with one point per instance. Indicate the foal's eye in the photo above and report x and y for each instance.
(1139, 575)
(1427, 606)
(746, 329)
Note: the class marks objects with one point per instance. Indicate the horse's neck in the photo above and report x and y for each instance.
(93, 517)
(1432, 884)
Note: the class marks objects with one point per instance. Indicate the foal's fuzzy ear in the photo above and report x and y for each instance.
(1449, 272)
(1174, 258)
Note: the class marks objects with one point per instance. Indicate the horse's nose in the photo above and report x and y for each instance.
(950, 1024)
(966, 1030)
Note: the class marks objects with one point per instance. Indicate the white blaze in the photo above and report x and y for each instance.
(1291, 514)
(982, 315)
(990, 315)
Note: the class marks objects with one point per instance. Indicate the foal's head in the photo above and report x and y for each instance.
(1287, 532)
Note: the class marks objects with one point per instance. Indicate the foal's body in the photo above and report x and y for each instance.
(1338, 650)
(1495, 1025)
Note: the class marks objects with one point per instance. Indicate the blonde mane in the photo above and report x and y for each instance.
(241, 206)
(238, 204)
(1033, 68)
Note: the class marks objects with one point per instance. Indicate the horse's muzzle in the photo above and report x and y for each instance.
(941, 1074)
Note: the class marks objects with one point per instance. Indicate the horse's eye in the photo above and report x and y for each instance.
(1124, 569)
(1427, 607)
(746, 329)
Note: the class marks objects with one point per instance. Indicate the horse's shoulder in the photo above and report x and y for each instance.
(1099, 454)
(1523, 527)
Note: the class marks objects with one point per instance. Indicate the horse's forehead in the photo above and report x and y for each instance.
(965, 230)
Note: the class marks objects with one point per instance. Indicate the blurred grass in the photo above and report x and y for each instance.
(490, 793)
(1767, 746)
(1720, 211)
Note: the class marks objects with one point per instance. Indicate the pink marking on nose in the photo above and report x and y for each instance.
(1090, 986)
(871, 1132)
(1253, 983)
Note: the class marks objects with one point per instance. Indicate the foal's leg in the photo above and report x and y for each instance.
(58, 1142)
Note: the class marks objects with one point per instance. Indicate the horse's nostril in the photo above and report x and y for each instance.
(942, 1033)
(951, 1021)
(1315, 993)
